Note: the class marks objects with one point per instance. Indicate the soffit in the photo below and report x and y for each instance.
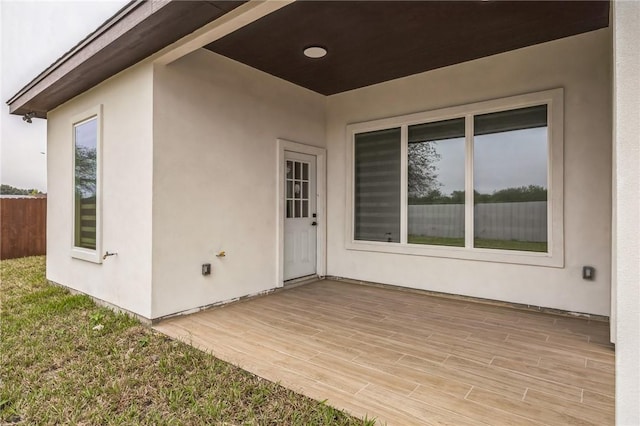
(372, 42)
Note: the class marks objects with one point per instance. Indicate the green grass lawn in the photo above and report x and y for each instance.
(480, 243)
(58, 366)
(435, 241)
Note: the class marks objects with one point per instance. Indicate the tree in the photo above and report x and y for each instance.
(519, 194)
(422, 177)
(12, 190)
(514, 195)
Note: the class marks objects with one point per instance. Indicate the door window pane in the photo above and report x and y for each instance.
(297, 189)
(435, 183)
(289, 169)
(85, 183)
(510, 179)
(377, 186)
(289, 189)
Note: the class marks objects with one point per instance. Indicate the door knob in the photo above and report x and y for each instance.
(314, 223)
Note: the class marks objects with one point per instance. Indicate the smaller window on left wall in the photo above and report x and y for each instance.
(86, 134)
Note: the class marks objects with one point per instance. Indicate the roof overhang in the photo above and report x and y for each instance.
(138, 30)
(368, 42)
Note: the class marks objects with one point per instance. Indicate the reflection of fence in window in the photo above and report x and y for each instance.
(86, 223)
(526, 221)
(437, 220)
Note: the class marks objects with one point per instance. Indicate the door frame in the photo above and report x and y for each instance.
(321, 211)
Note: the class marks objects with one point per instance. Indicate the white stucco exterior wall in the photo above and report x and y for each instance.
(626, 24)
(216, 123)
(580, 65)
(123, 280)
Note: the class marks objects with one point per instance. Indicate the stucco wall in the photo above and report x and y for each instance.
(578, 64)
(626, 24)
(123, 280)
(199, 142)
(215, 128)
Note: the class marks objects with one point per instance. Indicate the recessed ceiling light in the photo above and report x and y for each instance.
(315, 52)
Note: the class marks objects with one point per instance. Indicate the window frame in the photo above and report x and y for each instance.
(81, 252)
(554, 257)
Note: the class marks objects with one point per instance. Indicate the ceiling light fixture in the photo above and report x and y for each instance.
(315, 52)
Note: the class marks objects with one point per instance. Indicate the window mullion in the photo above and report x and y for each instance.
(404, 177)
(468, 190)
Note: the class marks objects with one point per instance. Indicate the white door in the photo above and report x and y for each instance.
(300, 221)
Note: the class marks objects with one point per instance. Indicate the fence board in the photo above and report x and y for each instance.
(437, 220)
(23, 227)
(526, 221)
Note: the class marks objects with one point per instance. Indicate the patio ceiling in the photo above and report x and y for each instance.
(372, 42)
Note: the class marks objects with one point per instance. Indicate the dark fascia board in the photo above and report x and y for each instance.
(135, 32)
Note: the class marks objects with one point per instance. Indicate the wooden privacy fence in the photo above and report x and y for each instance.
(23, 227)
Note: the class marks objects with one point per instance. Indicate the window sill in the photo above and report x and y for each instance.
(461, 253)
(85, 254)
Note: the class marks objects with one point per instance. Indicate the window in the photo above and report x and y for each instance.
(510, 179)
(435, 183)
(297, 197)
(480, 181)
(86, 186)
(377, 173)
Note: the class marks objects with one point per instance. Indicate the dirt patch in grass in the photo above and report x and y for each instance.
(66, 361)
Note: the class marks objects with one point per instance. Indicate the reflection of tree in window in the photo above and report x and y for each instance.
(435, 183)
(422, 174)
(86, 171)
(85, 184)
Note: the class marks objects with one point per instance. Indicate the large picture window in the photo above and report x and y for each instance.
(480, 181)
(86, 186)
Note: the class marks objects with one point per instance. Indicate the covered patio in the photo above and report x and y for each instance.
(408, 357)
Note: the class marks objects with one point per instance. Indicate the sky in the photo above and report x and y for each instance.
(33, 34)
(501, 160)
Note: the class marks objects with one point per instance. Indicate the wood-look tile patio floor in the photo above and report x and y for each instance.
(410, 358)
